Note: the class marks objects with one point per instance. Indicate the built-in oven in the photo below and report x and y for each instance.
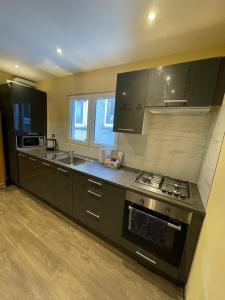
(30, 141)
(156, 227)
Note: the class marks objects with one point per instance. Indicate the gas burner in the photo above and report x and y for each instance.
(149, 179)
(176, 188)
(170, 187)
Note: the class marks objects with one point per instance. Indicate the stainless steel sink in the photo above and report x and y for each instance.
(72, 161)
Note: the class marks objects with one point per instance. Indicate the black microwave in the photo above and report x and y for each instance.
(30, 141)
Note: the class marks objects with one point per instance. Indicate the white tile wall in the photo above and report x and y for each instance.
(210, 159)
(174, 145)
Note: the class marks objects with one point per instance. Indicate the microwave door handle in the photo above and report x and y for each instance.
(176, 227)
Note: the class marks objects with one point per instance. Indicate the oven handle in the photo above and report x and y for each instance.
(176, 227)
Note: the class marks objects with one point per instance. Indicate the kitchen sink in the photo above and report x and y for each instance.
(72, 161)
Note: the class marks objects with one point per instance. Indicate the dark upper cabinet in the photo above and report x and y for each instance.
(29, 110)
(190, 84)
(63, 189)
(131, 92)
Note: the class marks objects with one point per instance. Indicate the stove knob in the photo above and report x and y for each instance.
(163, 190)
(182, 196)
(169, 192)
(175, 193)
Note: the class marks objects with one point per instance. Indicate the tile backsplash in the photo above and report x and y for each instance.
(173, 145)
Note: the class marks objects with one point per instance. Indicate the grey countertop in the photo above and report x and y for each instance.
(123, 177)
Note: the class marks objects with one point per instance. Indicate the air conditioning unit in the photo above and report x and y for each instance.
(25, 82)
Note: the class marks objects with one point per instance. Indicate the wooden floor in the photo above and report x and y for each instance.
(45, 256)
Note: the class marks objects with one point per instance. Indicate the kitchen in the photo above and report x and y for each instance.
(69, 189)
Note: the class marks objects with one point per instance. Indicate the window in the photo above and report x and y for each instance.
(78, 119)
(91, 119)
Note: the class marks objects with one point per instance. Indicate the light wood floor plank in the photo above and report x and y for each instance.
(43, 255)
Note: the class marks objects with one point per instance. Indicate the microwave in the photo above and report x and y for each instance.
(30, 141)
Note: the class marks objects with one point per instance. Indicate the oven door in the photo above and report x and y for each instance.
(158, 234)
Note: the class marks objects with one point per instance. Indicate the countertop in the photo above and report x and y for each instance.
(123, 177)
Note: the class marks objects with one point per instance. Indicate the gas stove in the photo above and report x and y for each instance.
(164, 185)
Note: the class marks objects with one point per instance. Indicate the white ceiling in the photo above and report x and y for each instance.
(99, 33)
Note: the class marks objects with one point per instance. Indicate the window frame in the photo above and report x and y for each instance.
(85, 109)
(90, 119)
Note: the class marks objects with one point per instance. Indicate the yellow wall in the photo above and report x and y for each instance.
(5, 76)
(105, 80)
(207, 277)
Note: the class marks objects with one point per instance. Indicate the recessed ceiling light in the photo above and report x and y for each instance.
(173, 91)
(168, 78)
(16, 66)
(59, 51)
(151, 16)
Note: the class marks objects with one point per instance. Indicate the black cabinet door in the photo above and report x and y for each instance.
(205, 76)
(46, 183)
(114, 199)
(169, 85)
(29, 173)
(190, 84)
(130, 101)
(63, 189)
(30, 110)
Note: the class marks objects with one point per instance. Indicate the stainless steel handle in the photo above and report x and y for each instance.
(21, 155)
(61, 170)
(33, 159)
(92, 214)
(45, 164)
(126, 129)
(95, 194)
(174, 226)
(175, 101)
(146, 258)
(95, 182)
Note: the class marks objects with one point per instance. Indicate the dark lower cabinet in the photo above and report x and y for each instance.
(29, 173)
(98, 205)
(63, 189)
(46, 182)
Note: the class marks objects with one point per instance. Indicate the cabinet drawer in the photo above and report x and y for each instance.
(95, 184)
(148, 259)
(94, 200)
(93, 219)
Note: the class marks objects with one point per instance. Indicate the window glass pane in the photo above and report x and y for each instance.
(79, 112)
(109, 112)
(78, 119)
(103, 121)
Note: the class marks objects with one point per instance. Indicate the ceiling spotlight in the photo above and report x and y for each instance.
(59, 51)
(16, 66)
(172, 91)
(168, 78)
(151, 16)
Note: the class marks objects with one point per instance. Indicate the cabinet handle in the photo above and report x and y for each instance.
(174, 226)
(95, 194)
(92, 214)
(174, 101)
(45, 164)
(95, 182)
(146, 258)
(33, 159)
(21, 155)
(61, 170)
(126, 129)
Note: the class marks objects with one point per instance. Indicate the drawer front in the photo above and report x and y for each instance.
(148, 259)
(93, 219)
(94, 200)
(95, 184)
